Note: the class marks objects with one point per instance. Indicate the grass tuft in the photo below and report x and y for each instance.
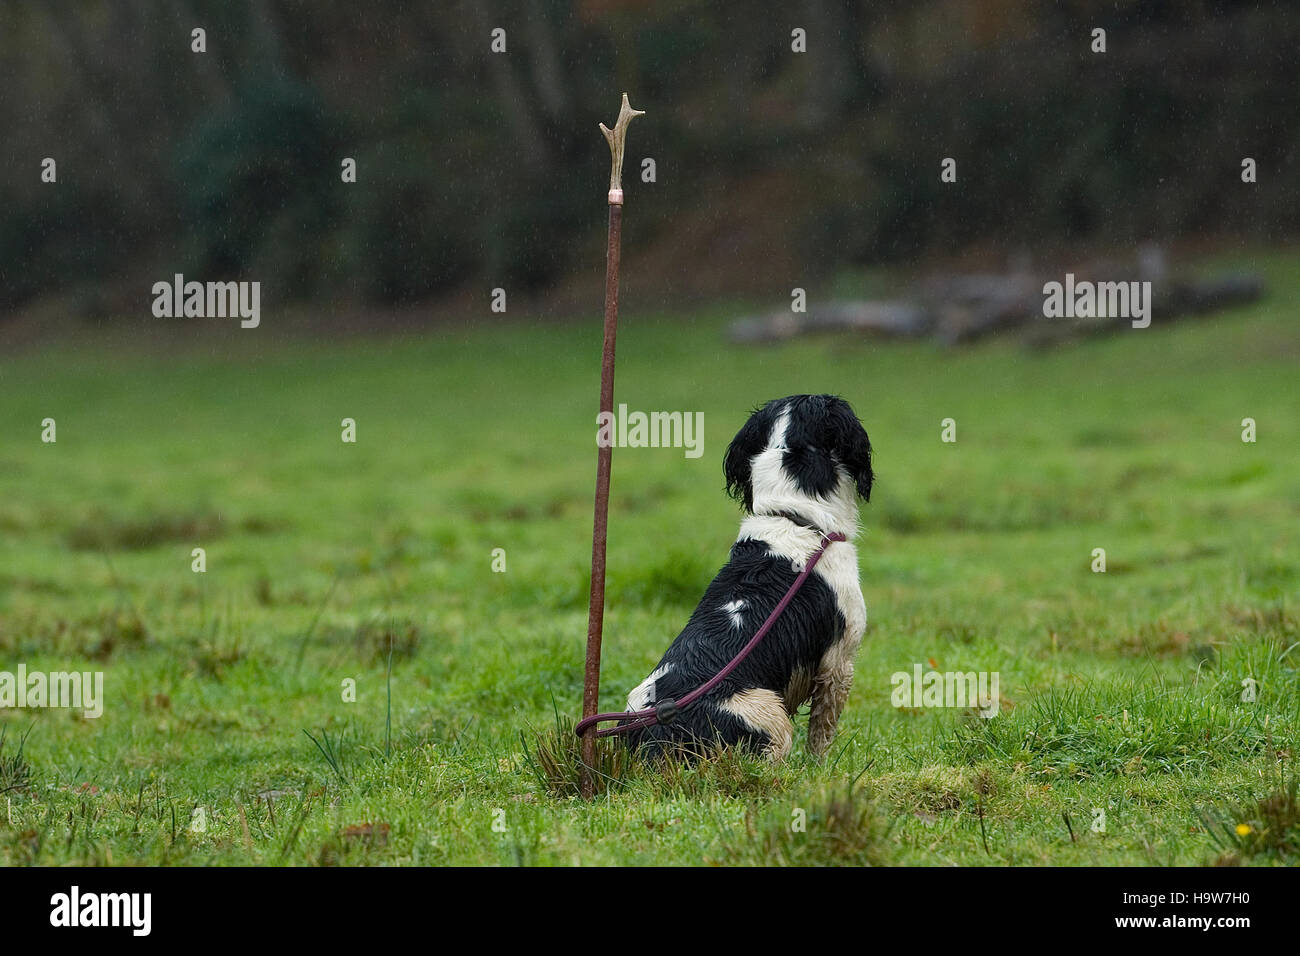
(1265, 830)
(555, 759)
(835, 826)
(103, 532)
(98, 636)
(15, 771)
(702, 771)
(381, 639)
(332, 749)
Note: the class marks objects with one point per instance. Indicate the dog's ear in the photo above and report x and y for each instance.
(749, 441)
(852, 447)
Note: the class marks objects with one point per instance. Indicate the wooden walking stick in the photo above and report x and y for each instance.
(596, 611)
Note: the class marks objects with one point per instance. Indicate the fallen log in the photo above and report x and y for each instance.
(957, 309)
(892, 319)
(1170, 302)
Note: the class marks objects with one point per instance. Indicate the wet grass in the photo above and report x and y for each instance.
(360, 676)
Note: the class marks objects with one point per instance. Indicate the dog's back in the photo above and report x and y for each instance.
(781, 669)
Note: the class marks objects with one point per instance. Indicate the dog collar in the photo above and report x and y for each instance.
(795, 518)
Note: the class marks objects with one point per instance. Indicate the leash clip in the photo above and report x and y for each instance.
(666, 710)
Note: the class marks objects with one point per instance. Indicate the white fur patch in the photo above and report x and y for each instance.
(732, 609)
(764, 711)
(644, 692)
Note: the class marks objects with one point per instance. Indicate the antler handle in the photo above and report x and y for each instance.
(617, 138)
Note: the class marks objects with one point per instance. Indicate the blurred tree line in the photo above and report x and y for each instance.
(475, 167)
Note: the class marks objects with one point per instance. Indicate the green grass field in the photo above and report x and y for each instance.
(1121, 692)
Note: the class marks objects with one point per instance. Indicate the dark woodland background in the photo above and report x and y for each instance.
(478, 170)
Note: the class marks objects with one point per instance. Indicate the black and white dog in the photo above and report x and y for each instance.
(799, 466)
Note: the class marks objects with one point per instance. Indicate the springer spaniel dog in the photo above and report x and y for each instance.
(798, 466)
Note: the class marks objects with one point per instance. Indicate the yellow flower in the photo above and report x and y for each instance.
(1243, 829)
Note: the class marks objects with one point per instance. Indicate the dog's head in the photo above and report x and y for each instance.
(804, 445)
